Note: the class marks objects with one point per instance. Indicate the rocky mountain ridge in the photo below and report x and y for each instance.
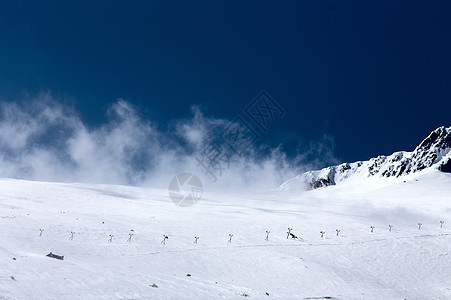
(433, 152)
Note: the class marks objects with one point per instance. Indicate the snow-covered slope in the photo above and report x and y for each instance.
(433, 152)
(402, 263)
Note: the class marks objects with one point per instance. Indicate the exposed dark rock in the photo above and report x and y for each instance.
(445, 166)
(321, 183)
(60, 257)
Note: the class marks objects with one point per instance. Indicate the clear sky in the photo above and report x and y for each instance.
(374, 76)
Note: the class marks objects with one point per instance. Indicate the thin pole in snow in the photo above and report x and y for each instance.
(129, 237)
(165, 237)
(289, 232)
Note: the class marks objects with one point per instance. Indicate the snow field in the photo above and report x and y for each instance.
(404, 263)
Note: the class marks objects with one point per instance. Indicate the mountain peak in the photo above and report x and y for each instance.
(433, 152)
(439, 138)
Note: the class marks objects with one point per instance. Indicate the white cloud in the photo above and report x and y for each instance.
(45, 140)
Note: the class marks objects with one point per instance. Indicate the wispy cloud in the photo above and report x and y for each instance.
(46, 140)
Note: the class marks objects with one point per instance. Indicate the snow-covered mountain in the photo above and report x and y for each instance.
(91, 226)
(362, 239)
(433, 152)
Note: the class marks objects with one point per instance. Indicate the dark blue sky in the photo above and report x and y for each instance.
(375, 75)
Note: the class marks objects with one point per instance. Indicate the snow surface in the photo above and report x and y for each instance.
(404, 263)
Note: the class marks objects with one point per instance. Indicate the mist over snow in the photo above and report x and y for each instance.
(43, 139)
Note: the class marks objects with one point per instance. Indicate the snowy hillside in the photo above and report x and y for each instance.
(406, 262)
(433, 152)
